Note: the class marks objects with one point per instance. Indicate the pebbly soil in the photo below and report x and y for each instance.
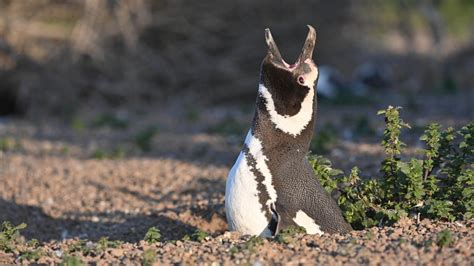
(70, 181)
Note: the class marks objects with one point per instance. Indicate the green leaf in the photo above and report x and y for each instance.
(444, 238)
(153, 235)
(440, 186)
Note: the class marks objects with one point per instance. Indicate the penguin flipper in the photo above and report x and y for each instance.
(283, 218)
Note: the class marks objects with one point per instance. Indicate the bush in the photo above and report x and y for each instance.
(439, 186)
(153, 235)
(9, 235)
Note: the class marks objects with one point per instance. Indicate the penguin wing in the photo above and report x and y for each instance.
(306, 203)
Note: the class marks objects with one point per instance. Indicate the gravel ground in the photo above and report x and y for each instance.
(52, 180)
(405, 243)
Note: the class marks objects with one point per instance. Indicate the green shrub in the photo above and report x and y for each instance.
(287, 235)
(439, 186)
(31, 255)
(99, 154)
(71, 261)
(78, 125)
(110, 120)
(10, 144)
(149, 257)
(326, 173)
(9, 235)
(444, 238)
(153, 235)
(250, 245)
(116, 153)
(104, 243)
(144, 138)
(6, 144)
(199, 235)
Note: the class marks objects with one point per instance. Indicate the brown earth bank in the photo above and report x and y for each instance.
(102, 175)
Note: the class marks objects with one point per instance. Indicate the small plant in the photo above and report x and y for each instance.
(233, 250)
(250, 245)
(77, 246)
(110, 120)
(100, 154)
(435, 208)
(149, 257)
(444, 238)
(192, 114)
(117, 153)
(432, 139)
(449, 85)
(9, 235)
(5, 144)
(287, 235)
(33, 243)
(32, 255)
(253, 243)
(71, 261)
(65, 149)
(465, 185)
(9, 144)
(393, 148)
(323, 169)
(78, 125)
(438, 186)
(152, 235)
(104, 243)
(199, 235)
(144, 138)
(88, 248)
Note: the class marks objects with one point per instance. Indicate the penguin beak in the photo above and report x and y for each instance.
(273, 51)
(306, 53)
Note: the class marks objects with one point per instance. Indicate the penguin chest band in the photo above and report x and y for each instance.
(249, 191)
(292, 125)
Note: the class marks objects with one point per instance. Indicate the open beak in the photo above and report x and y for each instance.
(273, 51)
(306, 53)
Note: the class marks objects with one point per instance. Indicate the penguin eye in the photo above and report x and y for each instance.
(301, 80)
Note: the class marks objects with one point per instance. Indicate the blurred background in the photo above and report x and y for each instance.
(192, 67)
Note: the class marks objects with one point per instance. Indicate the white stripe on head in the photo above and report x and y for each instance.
(256, 150)
(303, 220)
(295, 124)
(310, 78)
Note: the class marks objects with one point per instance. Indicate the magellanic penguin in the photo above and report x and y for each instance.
(272, 185)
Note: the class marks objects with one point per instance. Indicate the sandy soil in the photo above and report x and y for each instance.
(51, 179)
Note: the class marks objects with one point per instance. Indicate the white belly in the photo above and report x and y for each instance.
(243, 209)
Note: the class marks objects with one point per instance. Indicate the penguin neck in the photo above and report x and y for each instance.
(291, 133)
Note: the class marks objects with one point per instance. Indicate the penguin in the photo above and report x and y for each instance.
(272, 185)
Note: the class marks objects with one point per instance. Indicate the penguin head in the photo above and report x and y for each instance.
(288, 84)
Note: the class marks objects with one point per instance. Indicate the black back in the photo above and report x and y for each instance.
(292, 176)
